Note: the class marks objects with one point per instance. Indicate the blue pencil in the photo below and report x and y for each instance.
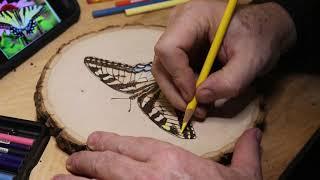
(115, 10)
(6, 176)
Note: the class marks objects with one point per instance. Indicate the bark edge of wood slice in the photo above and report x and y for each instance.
(70, 142)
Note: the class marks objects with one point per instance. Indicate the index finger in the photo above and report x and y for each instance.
(138, 148)
(172, 50)
(103, 165)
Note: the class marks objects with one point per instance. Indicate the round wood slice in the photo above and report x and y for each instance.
(102, 81)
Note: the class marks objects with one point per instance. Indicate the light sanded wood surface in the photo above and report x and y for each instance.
(72, 98)
(293, 109)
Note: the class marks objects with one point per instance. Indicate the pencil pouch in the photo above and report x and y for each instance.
(22, 143)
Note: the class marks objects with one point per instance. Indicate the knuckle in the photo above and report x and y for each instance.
(158, 48)
(152, 141)
(123, 148)
(98, 163)
(166, 46)
(171, 154)
(108, 156)
(232, 87)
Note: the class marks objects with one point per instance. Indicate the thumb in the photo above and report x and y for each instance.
(246, 155)
(229, 81)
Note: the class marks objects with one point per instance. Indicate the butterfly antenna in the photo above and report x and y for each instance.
(130, 106)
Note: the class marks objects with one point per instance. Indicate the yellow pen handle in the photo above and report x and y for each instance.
(214, 48)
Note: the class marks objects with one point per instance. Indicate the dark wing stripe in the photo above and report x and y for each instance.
(107, 81)
(5, 26)
(107, 63)
(166, 123)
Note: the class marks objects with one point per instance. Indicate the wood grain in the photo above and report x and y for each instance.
(292, 118)
(51, 163)
(293, 108)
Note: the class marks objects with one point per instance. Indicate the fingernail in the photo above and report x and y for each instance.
(258, 134)
(92, 140)
(68, 163)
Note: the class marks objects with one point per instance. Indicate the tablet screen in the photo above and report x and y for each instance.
(22, 22)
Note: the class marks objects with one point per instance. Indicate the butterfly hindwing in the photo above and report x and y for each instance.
(138, 80)
(157, 108)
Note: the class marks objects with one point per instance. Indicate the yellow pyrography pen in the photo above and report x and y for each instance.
(215, 46)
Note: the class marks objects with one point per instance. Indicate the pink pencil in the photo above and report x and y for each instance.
(127, 2)
(17, 139)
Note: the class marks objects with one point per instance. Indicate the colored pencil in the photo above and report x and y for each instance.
(9, 165)
(10, 162)
(19, 132)
(215, 46)
(96, 1)
(8, 144)
(6, 176)
(16, 139)
(153, 7)
(11, 158)
(127, 2)
(13, 151)
(116, 10)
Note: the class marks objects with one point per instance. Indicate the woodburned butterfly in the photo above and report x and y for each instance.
(138, 81)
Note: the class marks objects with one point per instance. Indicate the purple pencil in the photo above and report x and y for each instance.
(10, 162)
(8, 144)
(9, 157)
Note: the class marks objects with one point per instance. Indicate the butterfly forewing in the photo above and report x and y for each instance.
(20, 18)
(138, 80)
(121, 77)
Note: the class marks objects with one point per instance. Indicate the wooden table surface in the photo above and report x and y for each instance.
(293, 107)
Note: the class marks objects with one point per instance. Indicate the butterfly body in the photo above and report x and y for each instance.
(138, 82)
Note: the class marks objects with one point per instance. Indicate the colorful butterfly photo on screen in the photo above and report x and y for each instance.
(22, 22)
(137, 81)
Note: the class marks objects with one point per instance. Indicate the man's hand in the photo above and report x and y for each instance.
(257, 35)
(117, 157)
